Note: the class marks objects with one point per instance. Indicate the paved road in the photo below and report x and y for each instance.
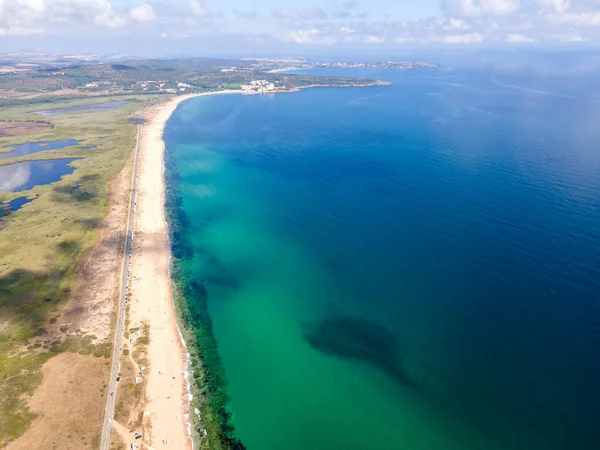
(118, 343)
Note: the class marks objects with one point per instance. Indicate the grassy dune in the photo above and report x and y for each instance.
(42, 243)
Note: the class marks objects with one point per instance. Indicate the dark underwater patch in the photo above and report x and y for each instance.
(191, 296)
(360, 339)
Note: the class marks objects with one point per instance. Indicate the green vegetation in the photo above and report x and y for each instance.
(148, 77)
(42, 243)
(130, 395)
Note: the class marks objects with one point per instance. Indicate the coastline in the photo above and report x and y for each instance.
(157, 303)
(167, 407)
(310, 86)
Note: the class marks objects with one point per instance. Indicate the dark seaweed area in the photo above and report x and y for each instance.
(379, 278)
(215, 429)
(359, 339)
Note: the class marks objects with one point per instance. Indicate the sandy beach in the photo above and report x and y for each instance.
(151, 302)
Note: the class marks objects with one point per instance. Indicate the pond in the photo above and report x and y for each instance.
(95, 107)
(14, 205)
(35, 147)
(25, 175)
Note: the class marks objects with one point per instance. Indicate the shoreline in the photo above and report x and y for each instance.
(311, 86)
(153, 302)
(167, 379)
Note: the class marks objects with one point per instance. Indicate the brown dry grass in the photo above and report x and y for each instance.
(69, 403)
(117, 440)
(59, 266)
(90, 307)
(12, 128)
(131, 396)
(16, 94)
(88, 312)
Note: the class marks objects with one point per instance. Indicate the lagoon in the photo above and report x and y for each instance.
(26, 175)
(35, 147)
(14, 205)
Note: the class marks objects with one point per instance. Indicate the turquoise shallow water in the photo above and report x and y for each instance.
(406, 267)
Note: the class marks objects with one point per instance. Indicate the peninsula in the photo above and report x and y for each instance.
(151, 76)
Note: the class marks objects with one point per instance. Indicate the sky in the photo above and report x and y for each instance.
(262, 27)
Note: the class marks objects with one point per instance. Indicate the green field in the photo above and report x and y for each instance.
(42, 243)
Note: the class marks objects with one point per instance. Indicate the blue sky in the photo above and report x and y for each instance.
(291, 26)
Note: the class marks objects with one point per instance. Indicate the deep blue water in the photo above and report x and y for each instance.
(25, 175)
(414, 266)
(14, 205)
(35, 147)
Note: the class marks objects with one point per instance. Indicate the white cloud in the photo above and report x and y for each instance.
(373, 39)
(21, 17)
(517, 38)
(584, 18)
(245, 14)
(569, 38)
(312, 36)
(300, 14)
(464, 38)
(341, 22)
(142, 13)
(13, 177)
(469, 22)
(200, 9)
(556, 5)
(480, 8)
(108, 18)
(455, 24)
(36, 5)
(19, 31)
(82, 12)
(302, 36)
(348, 10)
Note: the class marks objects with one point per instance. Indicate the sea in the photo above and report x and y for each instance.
(411, 267)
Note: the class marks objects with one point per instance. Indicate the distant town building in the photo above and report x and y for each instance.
(258, 86)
